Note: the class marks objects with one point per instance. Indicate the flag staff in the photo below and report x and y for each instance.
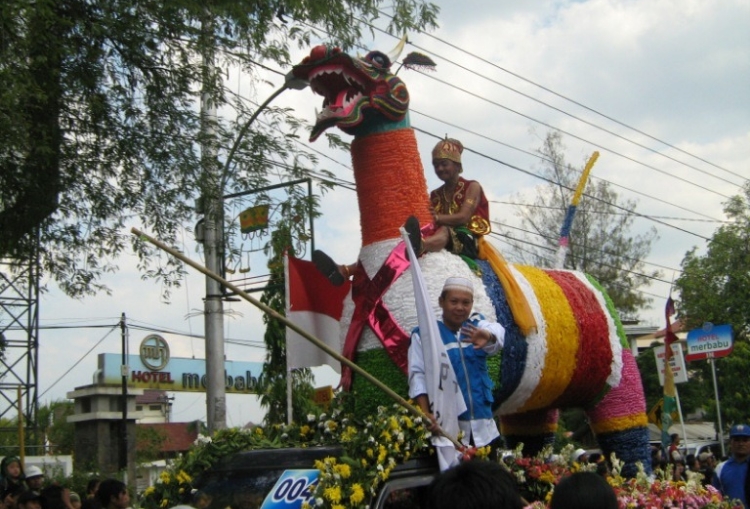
(273, 313)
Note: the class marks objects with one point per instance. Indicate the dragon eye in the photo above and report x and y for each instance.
(379, 59)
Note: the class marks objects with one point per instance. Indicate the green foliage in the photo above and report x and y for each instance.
(54, 425)
(53, 434)
(715, 287)
(148, 441)
(601, 243)
(731, 378)
(100, 122)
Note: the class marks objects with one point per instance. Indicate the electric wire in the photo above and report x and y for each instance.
(76, 363)
(566, 98)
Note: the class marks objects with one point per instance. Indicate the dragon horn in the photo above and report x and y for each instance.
(395, 52)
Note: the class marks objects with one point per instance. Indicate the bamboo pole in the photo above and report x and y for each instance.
(273, 313)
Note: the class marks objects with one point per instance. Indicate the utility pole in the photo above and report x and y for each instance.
(213, 241)
(124, 373)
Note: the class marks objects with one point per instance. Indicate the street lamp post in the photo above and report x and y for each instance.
(213, 244)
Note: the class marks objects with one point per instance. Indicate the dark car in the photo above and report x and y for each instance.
(286, 477)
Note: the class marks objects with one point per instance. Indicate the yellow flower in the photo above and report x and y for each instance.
(164, 476)
(165, 502)
(386, 435)
(358, 494)
(408, 422)
(258, 431)
(149, 491)
(547, 476)
(333, 493)
(343, 470)
(304, 430)
(337, 506)
(393, 423)
(370, 452)
(382, 453)
(183, 477)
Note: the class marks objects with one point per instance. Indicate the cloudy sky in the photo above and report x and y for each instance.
(661, 88)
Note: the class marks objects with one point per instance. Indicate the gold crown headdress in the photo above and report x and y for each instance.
(448, 148)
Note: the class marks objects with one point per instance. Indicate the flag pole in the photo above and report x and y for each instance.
(562, 248)
(274, 314)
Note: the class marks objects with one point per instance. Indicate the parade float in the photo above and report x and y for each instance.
(564, 346)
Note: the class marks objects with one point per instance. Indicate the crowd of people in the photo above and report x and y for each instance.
(30, 489)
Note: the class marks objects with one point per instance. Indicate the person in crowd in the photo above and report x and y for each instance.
(731, 477)
(692, 464)
(474, 484)
(583, 490)
(11, 472)
(113, 494)
(469, 340)
(29, 500)
(35, 479)
(91, 502)
(708, 464)
(658, 462)
(673, 452)
(679, 471)
(10, 496)
(75, 500)
(56, 496)
(580, 456)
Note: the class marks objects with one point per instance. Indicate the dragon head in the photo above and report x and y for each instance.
(357, 92)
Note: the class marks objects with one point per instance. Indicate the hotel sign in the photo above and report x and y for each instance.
(154, 368)
(710, 341)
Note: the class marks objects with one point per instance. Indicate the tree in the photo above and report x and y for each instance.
(100, 124)
(715, 287)
(601, 243)
(55, 430)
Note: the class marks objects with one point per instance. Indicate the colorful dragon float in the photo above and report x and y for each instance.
(571, 351)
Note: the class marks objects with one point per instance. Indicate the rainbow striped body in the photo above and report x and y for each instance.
(578, 356)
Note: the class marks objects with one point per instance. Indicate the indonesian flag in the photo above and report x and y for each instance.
(446, 400)
(314, 305)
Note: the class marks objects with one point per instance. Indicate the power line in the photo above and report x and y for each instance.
(549, 237)
(573, 101)
(531, 205)
(113, 327)
(542, 158)
(568, 133)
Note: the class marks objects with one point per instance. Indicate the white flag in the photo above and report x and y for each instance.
(442, 387)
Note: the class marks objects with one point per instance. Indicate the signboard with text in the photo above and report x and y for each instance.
(710, 341)
(677, 361)
(154, 368)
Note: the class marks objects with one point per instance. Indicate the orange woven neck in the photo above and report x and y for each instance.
(390, 183)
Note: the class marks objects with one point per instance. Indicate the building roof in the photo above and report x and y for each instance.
(177, 436)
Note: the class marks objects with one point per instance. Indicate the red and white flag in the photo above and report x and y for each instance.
(314, 305)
